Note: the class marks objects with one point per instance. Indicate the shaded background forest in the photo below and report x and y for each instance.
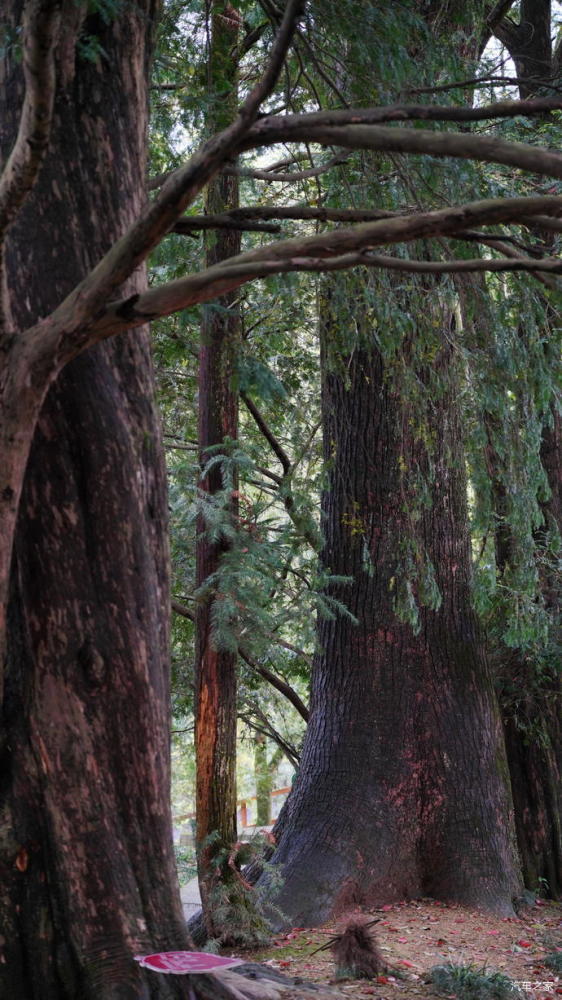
(469, 363)
(363, 465)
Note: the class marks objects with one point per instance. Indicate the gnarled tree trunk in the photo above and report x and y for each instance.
(403, 788)
(88, 874)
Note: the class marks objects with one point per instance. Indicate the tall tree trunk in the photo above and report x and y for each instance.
(403, 787)
(532, 723)
(264, 771)
(216, 676)
(88, 873)
(530, 694)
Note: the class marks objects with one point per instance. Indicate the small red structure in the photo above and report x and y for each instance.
(181, 963)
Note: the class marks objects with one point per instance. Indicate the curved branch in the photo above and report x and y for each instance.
(268, 127)
(276, 682)
(302, 254)
(552, 265)
(280, 685)
(275, 445)
(460, 145)
(288, 178)
(188, 225)
(41, 29)
(178, 191)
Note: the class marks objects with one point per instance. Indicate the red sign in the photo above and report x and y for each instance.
(180, 963)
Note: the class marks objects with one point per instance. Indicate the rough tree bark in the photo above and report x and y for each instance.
(530, 689)
(215, 671)
(533, 731)
(402, 790)
(88, 874)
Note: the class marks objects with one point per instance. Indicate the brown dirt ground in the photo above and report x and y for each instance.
(414, 936)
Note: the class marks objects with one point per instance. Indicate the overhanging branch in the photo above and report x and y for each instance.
(338, 248)
(59, 333)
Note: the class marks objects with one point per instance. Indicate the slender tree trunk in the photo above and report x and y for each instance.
(403, 788)
(88, 873)
(264, 771)
(262, 775)
(216, 676)
(531, 716)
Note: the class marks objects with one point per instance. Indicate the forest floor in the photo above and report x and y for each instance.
(416, 936)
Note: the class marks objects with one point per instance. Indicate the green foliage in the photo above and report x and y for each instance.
(553, 961)
(503, 367)
(90, 48)
(467, 982)
(107, 10)
(186, 864)
(11, 42)
(238, 912)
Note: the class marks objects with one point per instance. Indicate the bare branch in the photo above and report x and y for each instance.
(288, 161)
(258, 721)
(485, 81)
(544, 222)
(519, 263)
(398, 140)
(297, 255)
(189, 225)
(302, 523)
(181, 609)
(267, 433)
(276, 128)
(177, 193)
(509, 251)
(268, 127)
(306, 212)
(288, 178)
(277, 682)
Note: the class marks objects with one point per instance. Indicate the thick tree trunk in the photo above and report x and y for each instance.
(216, 666)
(88, 874)
(403, 787)
(533, 729)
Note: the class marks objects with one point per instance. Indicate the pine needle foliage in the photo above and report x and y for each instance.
(468, 982)
(237, 909)
(554, 961)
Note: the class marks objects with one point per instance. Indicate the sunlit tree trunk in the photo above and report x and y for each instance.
(215, 675)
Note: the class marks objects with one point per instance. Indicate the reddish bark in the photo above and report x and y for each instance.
(215, 673)
(88, 874)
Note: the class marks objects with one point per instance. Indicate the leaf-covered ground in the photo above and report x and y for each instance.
(416, 936)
